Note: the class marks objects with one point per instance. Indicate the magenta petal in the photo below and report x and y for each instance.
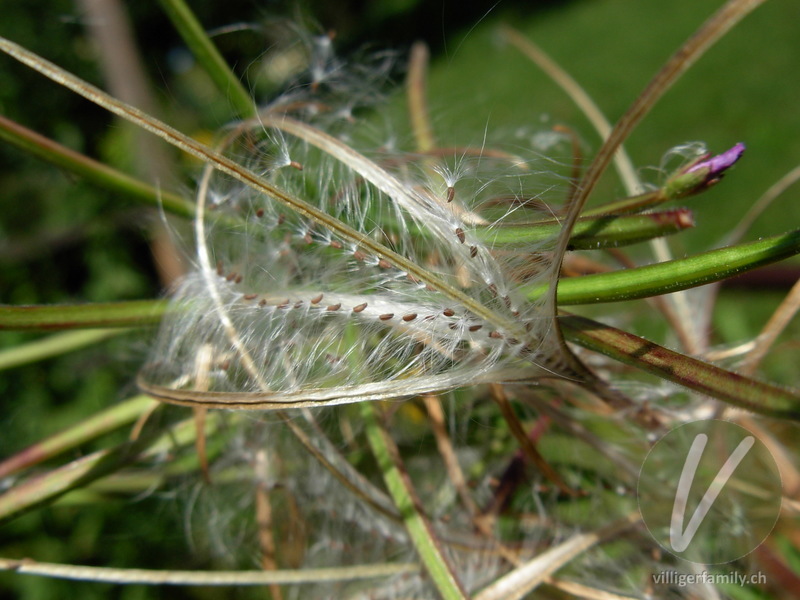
(719, 163)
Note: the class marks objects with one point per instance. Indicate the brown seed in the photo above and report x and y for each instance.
(260, 213)
(359, 255)
(448, 312)
(262, 302)
(386, 317)
(409, 317)
(360, 307)
(250, 296)
(298, 304)
(475, 327)
(512, 341)
(473, 251)
(384, 264)
(231, 276)
(333, 307)
(284, 304)
(238, 279)
(453, 325)
(316, 299)
(495, 334)
(335, 244)
(281, 219)
(451, 193)
(460, 234)
(220, 270)
(307, 238)
(296, 165)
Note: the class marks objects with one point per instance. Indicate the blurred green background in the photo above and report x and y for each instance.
(62, 240)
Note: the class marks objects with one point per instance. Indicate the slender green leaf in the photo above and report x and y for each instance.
(752, 395)
(93, 171)
(401, 491)
(673, 275)
(53, 345)
(98, 424)
(208, 56)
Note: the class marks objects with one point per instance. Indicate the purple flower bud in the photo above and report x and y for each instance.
(718, 164)
(702, 174)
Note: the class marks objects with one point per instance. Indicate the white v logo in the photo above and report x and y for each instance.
(679, 538)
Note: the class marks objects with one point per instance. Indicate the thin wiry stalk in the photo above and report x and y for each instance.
(776, 324)
(417, 97)
(760, 205)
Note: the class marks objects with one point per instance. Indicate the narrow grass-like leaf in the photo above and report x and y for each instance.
(53, 345)
(752, 395)
(79, 473)
(674, 275)
(98, 424)
(402, 492)
(93, 171)
(208, 56)
(82, 316)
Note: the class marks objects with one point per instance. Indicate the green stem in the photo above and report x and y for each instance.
(673, 275)
(208, 56)
(628, 205)
(607, 231)
(82, 316)
(752, 395)
(402, 492)
(93, 171)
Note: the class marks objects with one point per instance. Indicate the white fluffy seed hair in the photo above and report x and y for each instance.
(288, 311)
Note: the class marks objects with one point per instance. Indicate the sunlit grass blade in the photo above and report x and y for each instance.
(402, 492)
(49, 486)
(53, 345)
(674, 275)
(82, 316)
(93, 171)
(98, 424)
(208, 56)
(746, 393)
